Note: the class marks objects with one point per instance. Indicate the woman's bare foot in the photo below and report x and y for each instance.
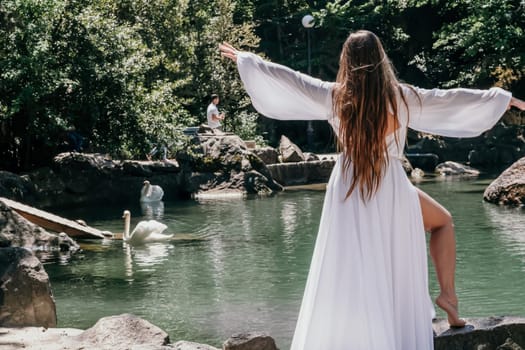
(450, 306)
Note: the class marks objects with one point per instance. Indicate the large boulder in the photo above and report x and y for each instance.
(290, 152)
(222, 163)
(121, 332)
(250, 341)
(16, 231)
(25, 292)
(90, 178)
(124, 331)
(16, 187)
(302, 173)
(492, 333)
(509, 187)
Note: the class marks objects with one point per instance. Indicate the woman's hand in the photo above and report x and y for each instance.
(516, 102)
(228, 51)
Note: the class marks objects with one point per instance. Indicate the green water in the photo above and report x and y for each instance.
(249, 271)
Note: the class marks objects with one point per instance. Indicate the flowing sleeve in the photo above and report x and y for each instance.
(455, 112)
(279, 92)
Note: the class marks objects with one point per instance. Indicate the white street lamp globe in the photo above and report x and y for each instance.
(308, 21)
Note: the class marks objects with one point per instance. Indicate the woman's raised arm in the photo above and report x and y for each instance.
(456, 112)
(279, 92)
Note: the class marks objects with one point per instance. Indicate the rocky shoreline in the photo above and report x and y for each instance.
(222, 165)
(126, 331)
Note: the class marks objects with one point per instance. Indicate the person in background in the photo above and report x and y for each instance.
(212, 113)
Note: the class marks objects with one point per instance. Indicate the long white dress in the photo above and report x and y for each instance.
(367, 288)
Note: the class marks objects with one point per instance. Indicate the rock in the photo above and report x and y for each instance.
(187, 345)
(268, 155)
(223, 163)
(509, 345)
(84, 178)
(255, 182)
(482, 156)
(26, 298)
(16, 231)
(492, 333)
(509, 187)
(124, 331)
(250, 341)
(425, 161)
(406, 165)
(513, 117)
(47, 182)
(310, 157)
(66, 243)
(454, 168)
(77, 169)
(429, 144)
(166, 166)
(250, 144)
(136, 168)
(417, 174)
(204, 129)
(503, 144)
(39, 338)
(290, 152)
(302, 173)
(16, 187)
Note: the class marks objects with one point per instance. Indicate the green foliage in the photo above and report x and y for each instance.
(124, 74)
(216, 75)
(28, 74)
(338, 18)
(129, 73)
(481, 44)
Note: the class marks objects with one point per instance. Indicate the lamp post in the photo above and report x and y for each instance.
(308, 23)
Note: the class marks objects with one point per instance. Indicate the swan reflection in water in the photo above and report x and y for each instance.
(144, 258)
(511, 224)
(152, 210)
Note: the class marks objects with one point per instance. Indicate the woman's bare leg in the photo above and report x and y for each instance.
(438, 222)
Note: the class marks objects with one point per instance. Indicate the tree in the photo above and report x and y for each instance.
(480, 44)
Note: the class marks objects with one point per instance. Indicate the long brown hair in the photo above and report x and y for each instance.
(363, 99)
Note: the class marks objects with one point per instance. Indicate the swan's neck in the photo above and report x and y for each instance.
(127, 220)
(146, 189)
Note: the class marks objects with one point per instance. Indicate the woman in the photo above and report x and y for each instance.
(367, 286)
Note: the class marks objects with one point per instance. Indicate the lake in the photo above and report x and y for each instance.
(249, 269)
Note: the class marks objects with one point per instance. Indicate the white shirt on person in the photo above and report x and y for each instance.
(212, 110)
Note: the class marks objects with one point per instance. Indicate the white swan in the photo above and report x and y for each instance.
(145, 231)
(151, 193)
